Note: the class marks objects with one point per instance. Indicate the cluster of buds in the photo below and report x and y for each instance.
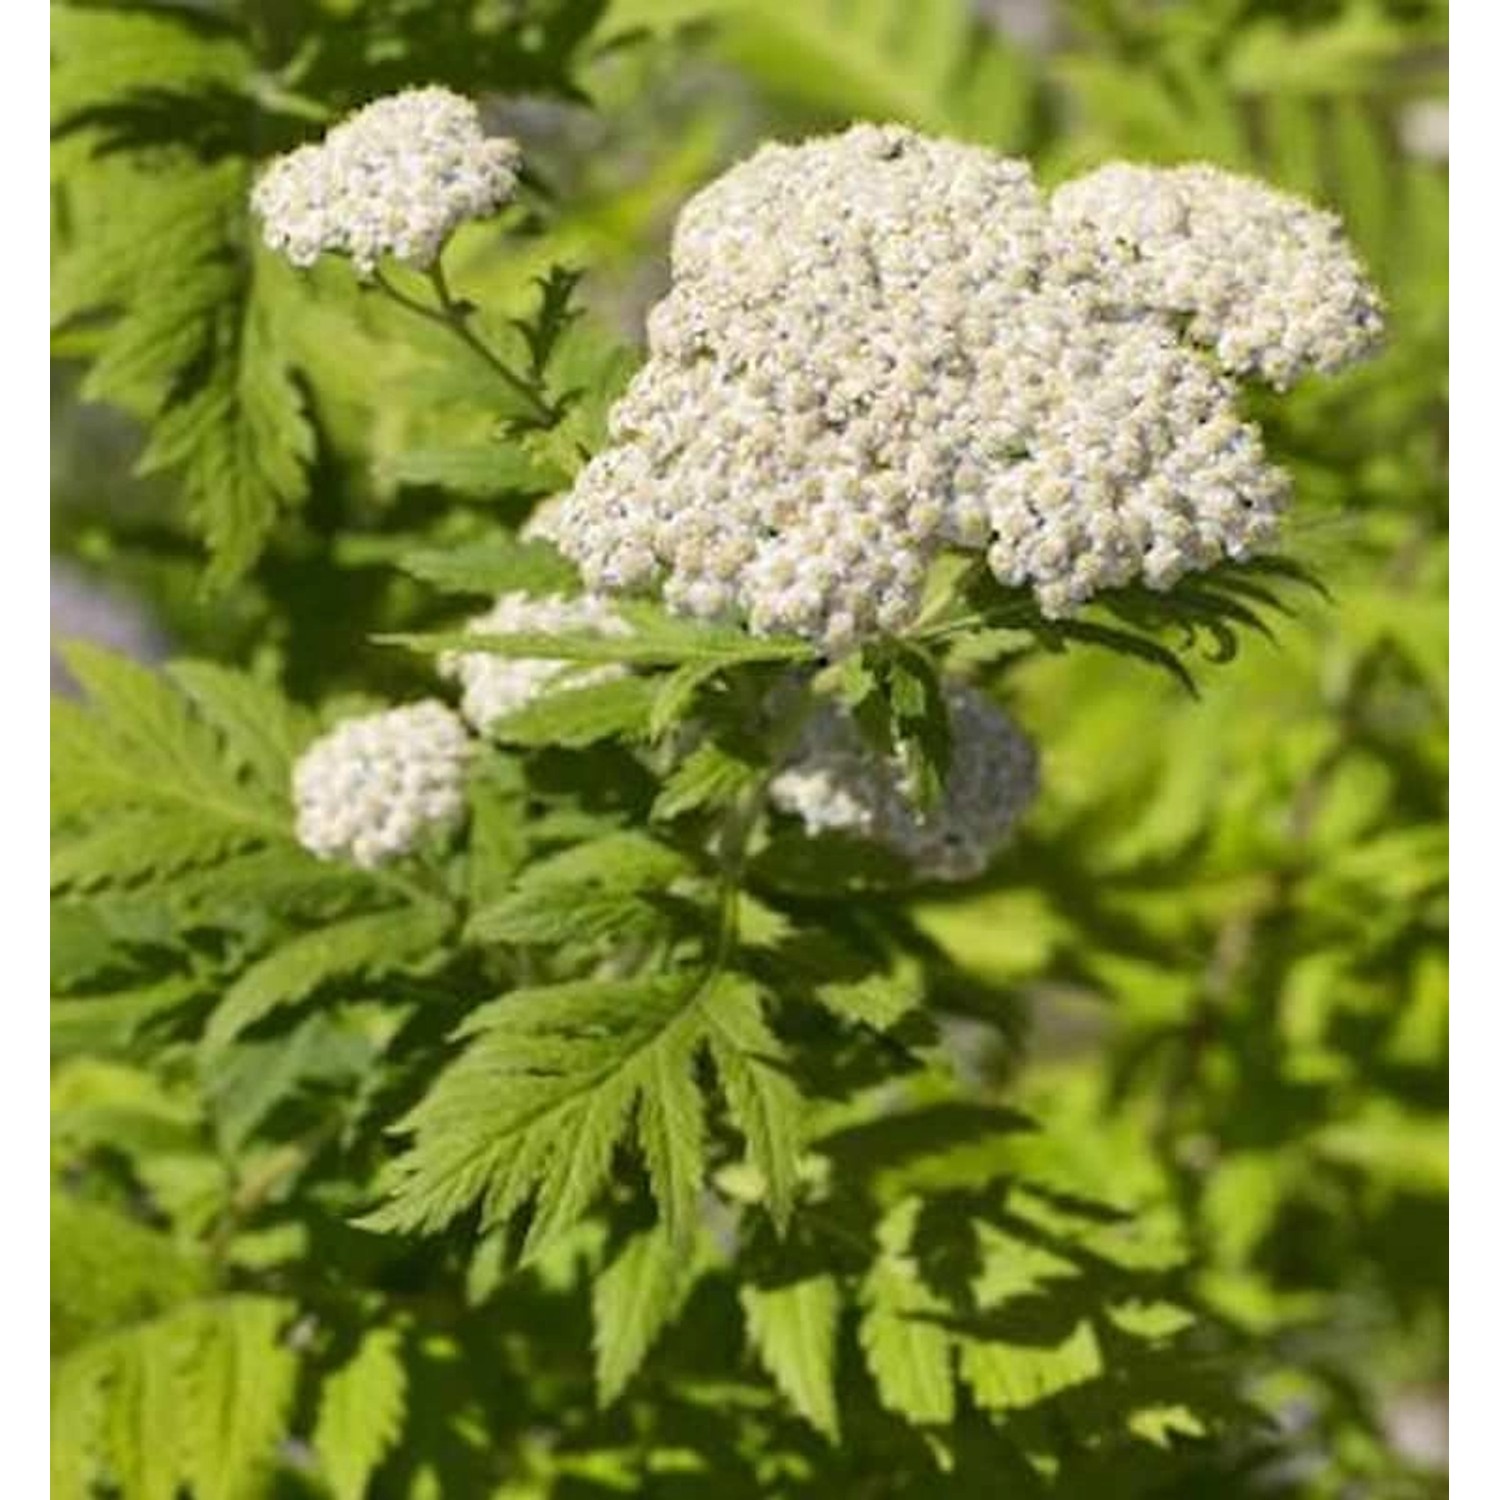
(394, 179)
(834, 783)
(373, 786)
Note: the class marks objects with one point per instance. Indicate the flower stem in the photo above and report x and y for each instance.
(454, 314)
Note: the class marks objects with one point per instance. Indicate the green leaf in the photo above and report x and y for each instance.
(481, 472)
(880, 1001)
(910, 1361)
(106, 1023)
(1010, 1376)
(109, 1270)
(499, 565)
(360, 1413)
(547, 1090)
(238, 1391)
(144, 786)
(675, 694)
(263, 733)
(564, 914)
(144, 1412)
(794, 1330)
(163, 259)
(366, 945)
(710, 776)
(637, 1295)
(199, 1397)
(579, 716)
(763, 1099)
(656, 639)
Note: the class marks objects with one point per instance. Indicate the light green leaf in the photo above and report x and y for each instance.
(910, 1361)
(550, 1085)
(238, 1390)
(794, 1330)
(572, 717)
(360, 1413)
(365, 945)
(637, 1295)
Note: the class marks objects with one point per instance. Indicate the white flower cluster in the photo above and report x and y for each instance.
(834, 783)
(396, 178)
(878, 345)
(494, 686)
(366, 790)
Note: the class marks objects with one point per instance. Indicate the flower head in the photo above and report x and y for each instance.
(394, 179)
(878, 345)
(369, 788)
(834, 782)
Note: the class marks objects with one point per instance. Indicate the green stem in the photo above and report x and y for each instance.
(454, 315)
(738, 828)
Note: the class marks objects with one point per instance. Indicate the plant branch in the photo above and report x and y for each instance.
(455, 315)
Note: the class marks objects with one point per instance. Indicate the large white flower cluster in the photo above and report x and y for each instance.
(878, 345)
(833, 782)
(370, 787)
(394, 179)
(494, 686)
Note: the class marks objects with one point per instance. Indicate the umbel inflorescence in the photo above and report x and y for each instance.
(877, 346)
(394, 179)
(370, 788)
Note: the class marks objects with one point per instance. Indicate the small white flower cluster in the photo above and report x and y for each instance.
(494, 686)
(368, 789)
(878, 345)
(396, 178)
(834, 783)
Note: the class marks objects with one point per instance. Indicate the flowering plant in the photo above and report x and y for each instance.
(508, 1042)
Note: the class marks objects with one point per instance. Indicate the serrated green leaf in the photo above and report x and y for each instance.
(262, 732)
(910, 1361)
(637, 1295)
(481, 472)
(1008, 1376)
(105, 1023)
(564, 914)
(656, 639)
(880, 1000)
(794, 1330)
(237, 1396)
(710, 776)
(549, 1086)
(364, 945)
(572, 717)
(763, 1100)
(360, 1413)
(675, 694)
(500, 565)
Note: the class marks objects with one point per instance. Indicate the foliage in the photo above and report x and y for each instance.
(625, 1139)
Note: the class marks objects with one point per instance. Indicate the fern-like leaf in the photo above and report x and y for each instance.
(549, 1088)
